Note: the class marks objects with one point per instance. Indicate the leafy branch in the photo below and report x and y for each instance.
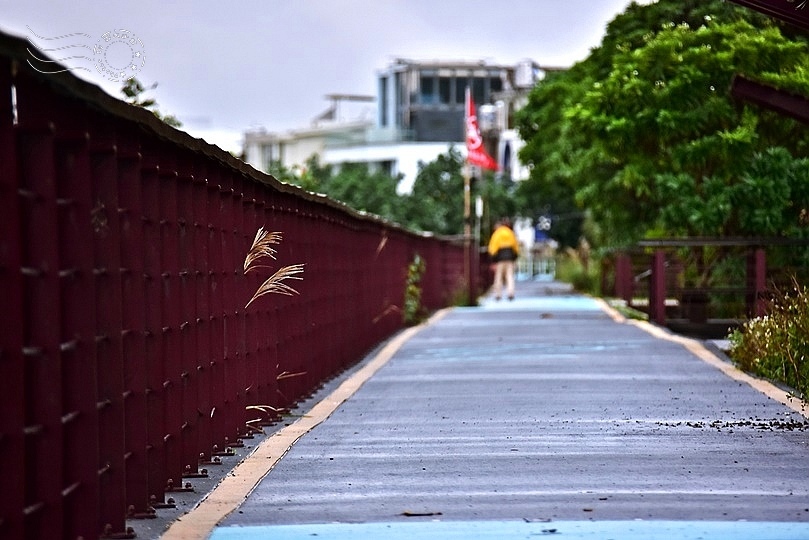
(133, 90)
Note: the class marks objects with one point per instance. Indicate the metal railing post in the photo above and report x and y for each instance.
(12, 370)
(624, 281)
(82, 436)
(657, 288)
(43, 466)
(105, 220)
(133, 335)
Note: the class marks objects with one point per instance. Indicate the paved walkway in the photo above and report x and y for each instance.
(546, 415)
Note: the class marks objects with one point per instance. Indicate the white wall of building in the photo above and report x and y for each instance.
(404, 156)
(295, 147)
(519, 171)
(297, 151)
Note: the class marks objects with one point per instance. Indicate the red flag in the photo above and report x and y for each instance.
(475, 153)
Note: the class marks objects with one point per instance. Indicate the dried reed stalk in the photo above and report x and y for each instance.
(261, 248)
(287, 375)
(275, 283)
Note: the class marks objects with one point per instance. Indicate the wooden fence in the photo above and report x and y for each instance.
(127, 356)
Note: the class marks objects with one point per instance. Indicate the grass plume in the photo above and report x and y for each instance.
(261, 248)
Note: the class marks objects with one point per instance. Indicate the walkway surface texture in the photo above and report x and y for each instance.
(548, 415)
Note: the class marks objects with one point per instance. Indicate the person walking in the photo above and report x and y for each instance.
(503, 250)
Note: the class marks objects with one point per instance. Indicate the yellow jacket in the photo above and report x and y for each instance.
(503, 237)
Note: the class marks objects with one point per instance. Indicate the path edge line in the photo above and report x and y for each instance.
(699, 350)
(237, 485)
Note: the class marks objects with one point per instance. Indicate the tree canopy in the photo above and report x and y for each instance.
(645, 136)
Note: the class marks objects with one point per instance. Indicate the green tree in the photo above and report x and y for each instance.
(435, 203)
(645, 135)
(500, 199)
(312, 176)
(283, 173)
(362, 189)
(680, 145)
(550, 151)
(133, 89)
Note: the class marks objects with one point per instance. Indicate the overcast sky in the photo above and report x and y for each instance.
(227, 66)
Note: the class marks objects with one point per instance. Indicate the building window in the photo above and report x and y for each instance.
(386, 167)
(460, 89)
(427, 95)
(401, 92)
(383, 101)
(496, 84)
(479, 91)
(444, 90)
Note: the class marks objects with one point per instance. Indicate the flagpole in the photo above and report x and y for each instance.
(467, 213)
(475, 154)
(467, 233)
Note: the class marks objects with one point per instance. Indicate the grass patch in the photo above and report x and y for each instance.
(628, 312)
(776, 346)
(571, 268)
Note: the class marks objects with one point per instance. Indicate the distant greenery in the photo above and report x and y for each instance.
(435, 203)
(436, 200)
(571, 268)
(775, 346)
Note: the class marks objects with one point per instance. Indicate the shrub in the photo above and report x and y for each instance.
(413, 312)
(571, 268)
(776, 346)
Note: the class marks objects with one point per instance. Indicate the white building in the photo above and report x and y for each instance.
(419, 115)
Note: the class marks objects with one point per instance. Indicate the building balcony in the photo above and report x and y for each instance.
(371, 136)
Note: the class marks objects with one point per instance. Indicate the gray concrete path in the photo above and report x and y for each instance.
(541, 416)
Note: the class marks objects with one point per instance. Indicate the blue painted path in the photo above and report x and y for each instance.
(508, 530)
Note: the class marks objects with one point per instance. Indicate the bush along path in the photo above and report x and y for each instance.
(776, 346)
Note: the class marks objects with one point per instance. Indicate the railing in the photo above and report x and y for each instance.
(704, 285)
(128, 359)
(536, 267)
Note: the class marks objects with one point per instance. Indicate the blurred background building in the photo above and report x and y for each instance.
(416, 115)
